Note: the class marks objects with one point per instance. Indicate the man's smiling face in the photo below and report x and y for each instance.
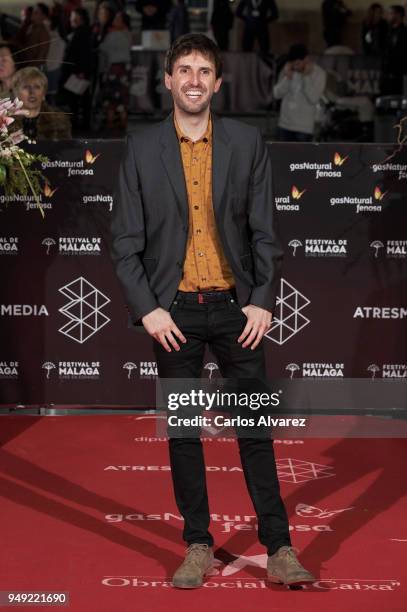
(192, 82)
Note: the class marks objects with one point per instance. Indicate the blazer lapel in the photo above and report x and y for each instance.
(221, 156)
(171, 158)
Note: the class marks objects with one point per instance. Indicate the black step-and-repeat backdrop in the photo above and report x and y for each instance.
(342, 309)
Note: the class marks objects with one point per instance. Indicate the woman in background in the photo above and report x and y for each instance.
(7, 69)
(55, 55)
(78, 62)
(43, 122)
(115, 69)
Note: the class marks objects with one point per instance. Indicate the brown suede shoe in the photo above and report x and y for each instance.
(284, 568)
(197, 563)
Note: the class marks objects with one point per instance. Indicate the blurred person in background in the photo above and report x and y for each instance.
(178, 20)
(103, 22)
(374, 31)
(78, 62)
(395, 52)
(153, 13)
(43, 122)
(35, 40)
(7, 70)
(221, 23)
(62, 9)
(19, 37)
(104, 16)
(300, 87)
(9, 26)
(256, 15)
(335, 14)
(115, 65)
(55, 55)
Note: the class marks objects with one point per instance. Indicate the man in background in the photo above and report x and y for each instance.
(300, 87)
(256, 15)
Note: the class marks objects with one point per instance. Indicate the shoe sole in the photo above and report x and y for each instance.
(195, 586)
(277, 580)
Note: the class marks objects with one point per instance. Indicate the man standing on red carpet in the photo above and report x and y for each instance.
(195, 249)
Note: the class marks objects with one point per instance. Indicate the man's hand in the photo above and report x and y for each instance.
(159, 324)
(288, 70)
(308, 66)
(258, 322)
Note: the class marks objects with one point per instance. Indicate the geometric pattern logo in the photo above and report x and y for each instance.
(83, 310)
(295, 470)
(288, 318)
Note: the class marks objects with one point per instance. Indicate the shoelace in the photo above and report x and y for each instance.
(290, 553)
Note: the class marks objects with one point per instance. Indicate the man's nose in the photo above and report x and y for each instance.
(195, 79)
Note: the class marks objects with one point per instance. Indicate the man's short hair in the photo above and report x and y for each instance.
(43, 8)
(397, 8)
(188, 43)
(27, 75)
(297, 52)
(83, 14)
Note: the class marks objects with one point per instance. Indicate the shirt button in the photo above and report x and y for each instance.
(198, 231)
(201, 254)
(196, 183)
(203, 279)
(196, 207)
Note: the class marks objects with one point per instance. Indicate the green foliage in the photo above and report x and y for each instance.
(16, 181)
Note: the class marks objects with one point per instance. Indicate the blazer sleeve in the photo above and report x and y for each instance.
(128, 238)
(266, 246)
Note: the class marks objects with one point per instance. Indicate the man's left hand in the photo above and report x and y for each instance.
(308, 66)
(258, 322)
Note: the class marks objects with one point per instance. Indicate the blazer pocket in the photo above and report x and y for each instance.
(150, 265)
(247, 261)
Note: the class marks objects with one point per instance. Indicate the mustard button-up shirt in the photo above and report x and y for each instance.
(205, 266)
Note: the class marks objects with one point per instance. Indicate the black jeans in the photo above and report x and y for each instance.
(219, 324)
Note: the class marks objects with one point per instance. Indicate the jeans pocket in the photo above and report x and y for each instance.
(173, 308)
(234, 307)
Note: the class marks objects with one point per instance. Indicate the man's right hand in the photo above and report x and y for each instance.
(288, 70)
(159, 324)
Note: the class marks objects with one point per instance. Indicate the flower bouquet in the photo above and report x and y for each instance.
(18, 173)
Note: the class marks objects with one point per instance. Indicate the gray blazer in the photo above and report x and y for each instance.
(149, 228)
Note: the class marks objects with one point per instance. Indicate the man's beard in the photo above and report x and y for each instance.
(191, 108)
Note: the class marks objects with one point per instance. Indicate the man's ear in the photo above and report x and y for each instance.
(167, 80)
(218, 83)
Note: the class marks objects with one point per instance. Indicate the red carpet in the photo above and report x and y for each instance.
(87, 508)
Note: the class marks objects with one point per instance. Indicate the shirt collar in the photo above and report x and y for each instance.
(207, 137)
